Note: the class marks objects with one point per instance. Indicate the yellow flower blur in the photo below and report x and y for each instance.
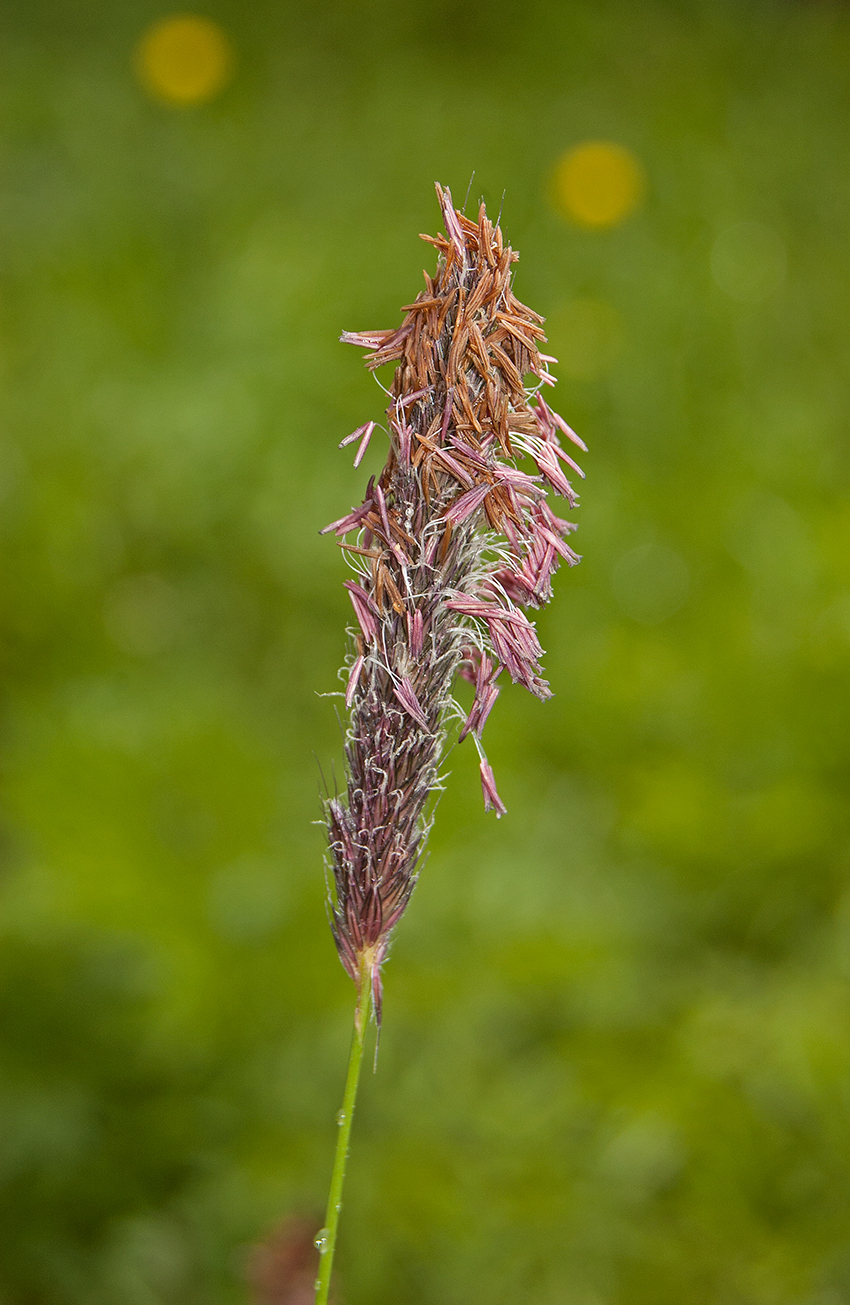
(184, 59)
(597, 184)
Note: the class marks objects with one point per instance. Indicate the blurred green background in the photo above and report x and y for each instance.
(615, 1066)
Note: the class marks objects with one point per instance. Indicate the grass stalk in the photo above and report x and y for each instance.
(326, 1239)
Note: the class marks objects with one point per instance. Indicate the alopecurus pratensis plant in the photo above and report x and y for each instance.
(452, 541)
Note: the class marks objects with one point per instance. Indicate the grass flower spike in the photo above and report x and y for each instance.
(451, 545)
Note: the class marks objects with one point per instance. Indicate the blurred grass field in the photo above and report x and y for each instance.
(615, 1066)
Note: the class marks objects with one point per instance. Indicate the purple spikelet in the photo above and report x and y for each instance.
(452, 542)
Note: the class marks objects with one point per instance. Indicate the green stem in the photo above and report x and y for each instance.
(326, 1240)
